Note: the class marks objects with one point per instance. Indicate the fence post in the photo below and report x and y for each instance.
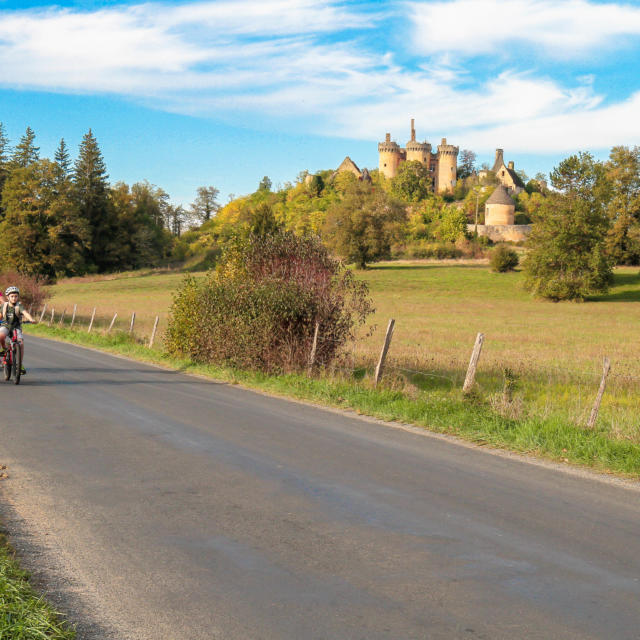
(473, 364)
(93, 315)
(133, 319)
(42, 314)
(314, 346)
(115, 315)
(385, 349)
(73, 317)
(606, 367)
(153, 333)
(52, 316)
(64, 311)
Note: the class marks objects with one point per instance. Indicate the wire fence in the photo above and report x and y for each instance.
(493, 375)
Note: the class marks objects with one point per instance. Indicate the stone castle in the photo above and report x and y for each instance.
(442, 165)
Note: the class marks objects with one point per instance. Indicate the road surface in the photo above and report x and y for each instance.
(155, 505)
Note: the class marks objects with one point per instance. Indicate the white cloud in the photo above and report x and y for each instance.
(564, 28)
(297, 61)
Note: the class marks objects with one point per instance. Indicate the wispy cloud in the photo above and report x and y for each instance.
(565, 28)
(320, 63)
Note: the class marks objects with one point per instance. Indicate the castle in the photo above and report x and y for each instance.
(442, 165)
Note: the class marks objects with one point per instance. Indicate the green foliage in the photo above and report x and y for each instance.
(206, 203)
(450, 224)
(412, 183)
(42, 232)
(265, 184)
(26, 152)
(503, 259)
(362, 225)
(258, 309)
(467, 164)
(567, 258)
(623, 173)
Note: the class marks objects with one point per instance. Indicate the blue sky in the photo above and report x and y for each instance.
(221, 93)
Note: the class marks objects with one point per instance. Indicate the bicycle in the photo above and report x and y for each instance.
(12, 359)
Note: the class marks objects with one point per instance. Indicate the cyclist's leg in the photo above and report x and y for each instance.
(4, 332)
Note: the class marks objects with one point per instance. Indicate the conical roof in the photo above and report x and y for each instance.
(500, 196)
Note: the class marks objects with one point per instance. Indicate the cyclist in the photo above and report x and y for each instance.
(11, 315)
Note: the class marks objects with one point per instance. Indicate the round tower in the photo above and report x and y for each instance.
(447, 167)
(499, 209)
(390, 157)
(417, 151)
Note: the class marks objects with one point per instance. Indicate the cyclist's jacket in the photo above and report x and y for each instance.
(12, 316)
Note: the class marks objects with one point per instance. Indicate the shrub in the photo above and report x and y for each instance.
(32, 290)
(503, 259)
(259, 308)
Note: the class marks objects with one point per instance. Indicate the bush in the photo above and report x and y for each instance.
(32, 290)
(259, 308)
(503, 259)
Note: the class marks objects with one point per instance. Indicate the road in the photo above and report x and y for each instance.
(155, 505)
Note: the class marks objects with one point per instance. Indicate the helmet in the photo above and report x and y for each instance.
(10, 290)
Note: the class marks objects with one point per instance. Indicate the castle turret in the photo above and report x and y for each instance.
(417, 151)
(500, 209)
(447, 167)
(390, 157)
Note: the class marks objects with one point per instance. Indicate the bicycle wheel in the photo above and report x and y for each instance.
(7, 364)
(17, 363)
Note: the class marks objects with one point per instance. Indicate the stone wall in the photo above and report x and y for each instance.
(502, 232)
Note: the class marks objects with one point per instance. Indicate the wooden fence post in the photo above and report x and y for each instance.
(153, 333)
(133, 319)
(64, 311)
(606, 367)
(73, 317)
(314, 347)
(42, 314)
(473, 364)
(115, 315)
(385, 349)
(93, 315)
(52, 316)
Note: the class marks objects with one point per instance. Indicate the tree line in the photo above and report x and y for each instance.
(62, 217)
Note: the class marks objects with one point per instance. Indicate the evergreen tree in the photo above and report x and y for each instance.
(91, 195)
(26, 152)
(63, 159)
(4, 161)
(42, 233)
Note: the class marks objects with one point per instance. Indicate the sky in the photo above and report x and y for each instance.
(192, 93)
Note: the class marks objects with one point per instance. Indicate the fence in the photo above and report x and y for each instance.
(503, 378)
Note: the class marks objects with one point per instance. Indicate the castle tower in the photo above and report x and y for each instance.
(420, 151)
(500, 209)
(390, 157)
(447, 167)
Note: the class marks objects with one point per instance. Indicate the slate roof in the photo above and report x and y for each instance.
(500, 196)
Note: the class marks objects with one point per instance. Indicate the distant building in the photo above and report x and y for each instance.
(505, 174)
(442, 165)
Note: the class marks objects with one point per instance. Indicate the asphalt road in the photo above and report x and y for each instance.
(155, 505)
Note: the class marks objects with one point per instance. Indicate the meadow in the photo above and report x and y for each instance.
(553, 351)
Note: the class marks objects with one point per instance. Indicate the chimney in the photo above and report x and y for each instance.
(413, 130)
(387, 137)
(499, 153)
(511, 165)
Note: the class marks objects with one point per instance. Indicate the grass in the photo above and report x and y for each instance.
(472, 418)
(23, 614)
(555, 351)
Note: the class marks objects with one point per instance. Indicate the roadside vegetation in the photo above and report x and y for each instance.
(23, 614)
(527, 397)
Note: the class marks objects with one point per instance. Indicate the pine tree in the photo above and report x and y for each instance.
(4, 161)
(91, 194)
(26, 152)
(63, 159)
(41, 233)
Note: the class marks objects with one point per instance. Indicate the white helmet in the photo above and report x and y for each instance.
(10, 290)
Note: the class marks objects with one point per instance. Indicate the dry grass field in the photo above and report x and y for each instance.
(555, 350)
